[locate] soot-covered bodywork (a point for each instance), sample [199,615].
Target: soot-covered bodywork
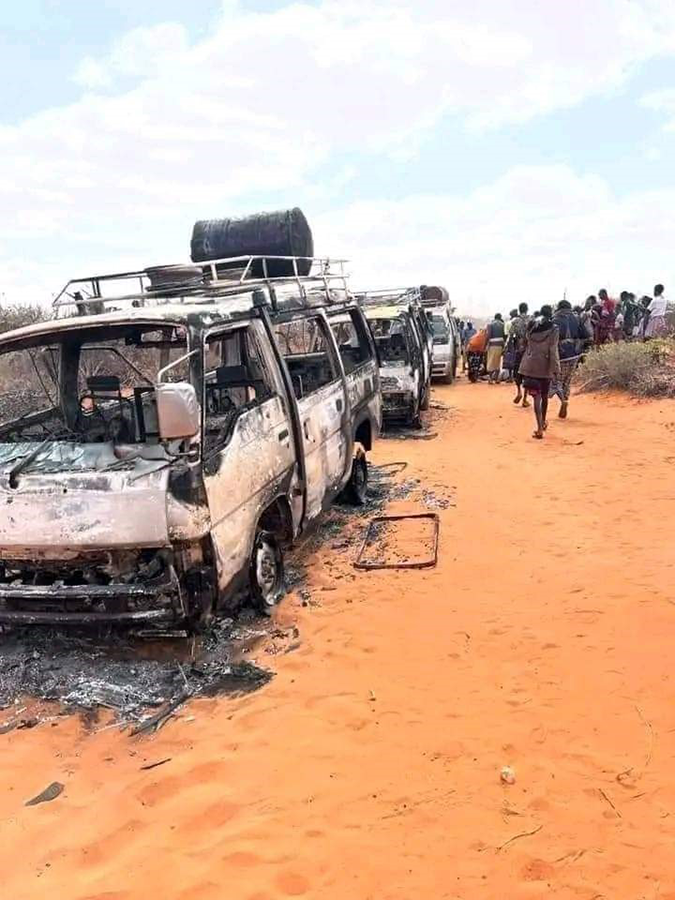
[93,522]
[110,512]
[403,381]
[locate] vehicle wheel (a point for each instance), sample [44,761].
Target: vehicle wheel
[450,376]
[473,377]
[426,398]
[416,418]
[266,572]
[356,489]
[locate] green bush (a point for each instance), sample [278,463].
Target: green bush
[645,369]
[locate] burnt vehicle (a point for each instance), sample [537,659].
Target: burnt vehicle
[171,431]
[405,376]
[447,345]
[410,300]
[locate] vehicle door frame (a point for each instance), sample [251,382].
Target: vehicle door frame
[312,312]
[223,328]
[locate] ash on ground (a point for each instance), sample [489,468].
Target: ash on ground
[332,530]
[85,671]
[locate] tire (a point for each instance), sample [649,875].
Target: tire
[415,418]
[356,490]
[266,572]
[426,397]
[449,377]
[473,376]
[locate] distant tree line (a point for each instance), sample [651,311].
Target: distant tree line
[15,315]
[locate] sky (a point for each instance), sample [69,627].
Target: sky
[507,149]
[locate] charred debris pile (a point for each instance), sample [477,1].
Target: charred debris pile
[138,680]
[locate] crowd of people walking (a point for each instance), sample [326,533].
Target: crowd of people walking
[540,352]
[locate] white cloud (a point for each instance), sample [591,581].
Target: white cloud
[254,109]
[140,53]
[529,235]
[662,102]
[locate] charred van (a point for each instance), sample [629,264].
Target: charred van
[404,339]
[165,439]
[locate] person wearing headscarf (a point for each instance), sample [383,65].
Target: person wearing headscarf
[656,324]
[541,364]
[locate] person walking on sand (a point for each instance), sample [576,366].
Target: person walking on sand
[508,358]
[570,339]
[656,324]
[517,336]
[495,347]
[541,365]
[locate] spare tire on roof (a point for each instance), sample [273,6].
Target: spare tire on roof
[165,278]
[282,233]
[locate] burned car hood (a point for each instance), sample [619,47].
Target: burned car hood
[81,496]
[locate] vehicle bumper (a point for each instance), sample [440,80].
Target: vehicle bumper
[441,369]
[89,604]
[396,404]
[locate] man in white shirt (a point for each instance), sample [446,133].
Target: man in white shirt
[656,326]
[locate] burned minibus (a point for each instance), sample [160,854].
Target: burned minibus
[403,338]
[171,431]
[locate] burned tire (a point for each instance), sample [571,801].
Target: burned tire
[426,398]
[356,489]
[266,572]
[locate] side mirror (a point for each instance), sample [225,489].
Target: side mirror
[178,413]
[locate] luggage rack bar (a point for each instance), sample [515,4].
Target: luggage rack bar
[204,282]
[389,297]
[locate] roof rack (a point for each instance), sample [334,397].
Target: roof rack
[205,282]
[389,297]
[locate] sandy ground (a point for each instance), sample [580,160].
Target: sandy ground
[369,767]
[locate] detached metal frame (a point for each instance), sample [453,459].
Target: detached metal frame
[425,564]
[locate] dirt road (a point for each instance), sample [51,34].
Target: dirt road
[369,767]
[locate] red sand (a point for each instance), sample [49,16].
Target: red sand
[369,767]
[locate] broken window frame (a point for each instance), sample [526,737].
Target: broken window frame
[360,329]
[246,329]
[330,352]
[66,348]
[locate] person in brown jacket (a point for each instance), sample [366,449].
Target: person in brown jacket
[541,364]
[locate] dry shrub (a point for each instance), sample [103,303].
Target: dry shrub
[645,369]
[16,315]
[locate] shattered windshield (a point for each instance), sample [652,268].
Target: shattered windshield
[391,341]
[95,385]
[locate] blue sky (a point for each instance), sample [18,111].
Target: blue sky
[506,149]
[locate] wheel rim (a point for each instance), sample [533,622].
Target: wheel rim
[267,571]
[360,479]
